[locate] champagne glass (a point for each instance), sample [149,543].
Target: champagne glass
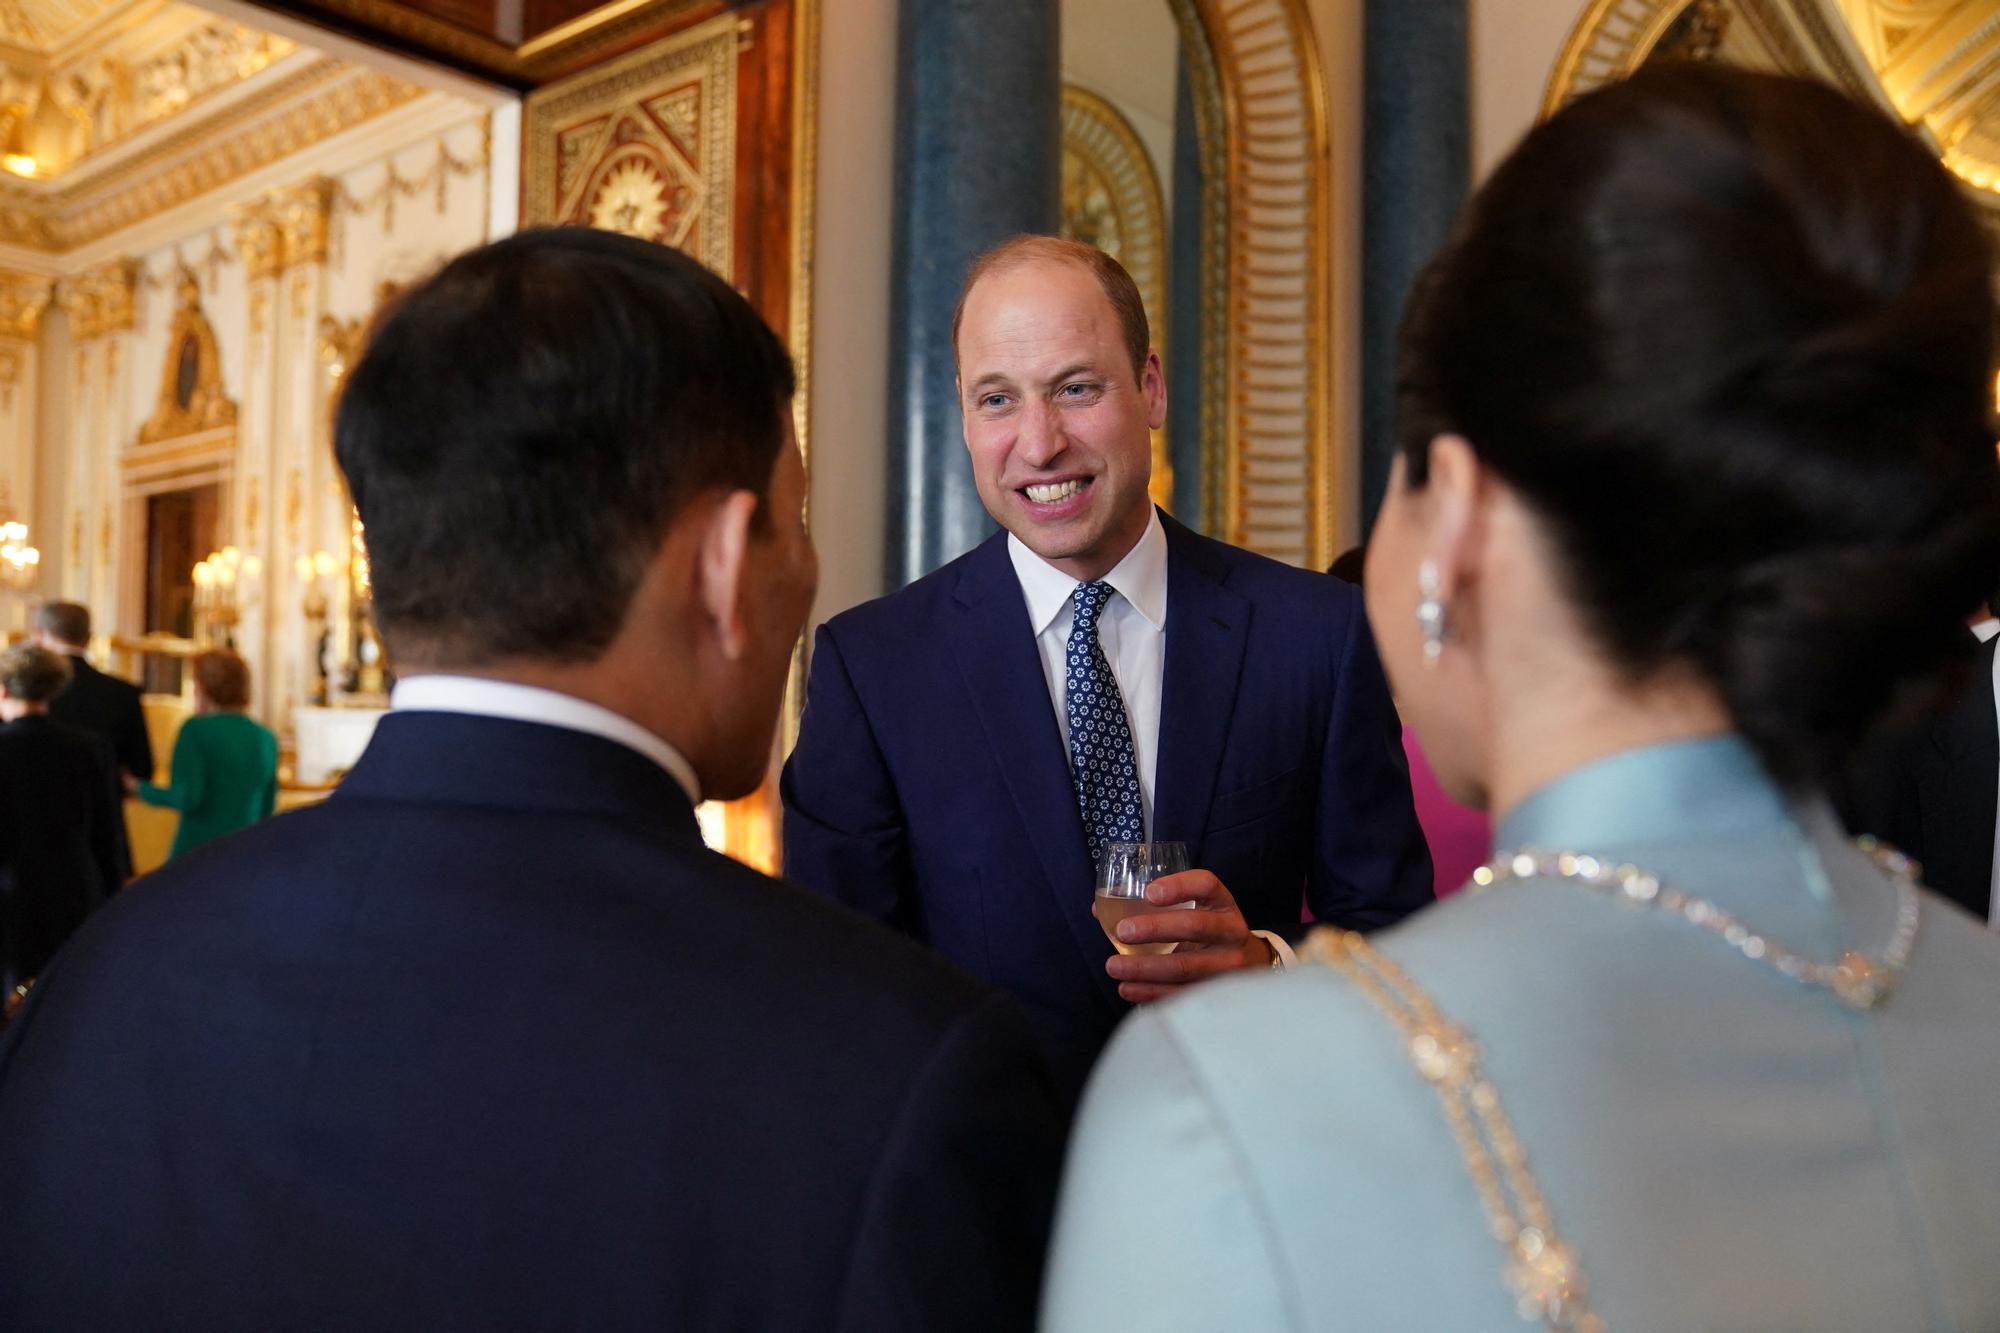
[1124,869]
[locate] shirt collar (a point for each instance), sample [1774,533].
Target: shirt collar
[1140,578]
[479,697]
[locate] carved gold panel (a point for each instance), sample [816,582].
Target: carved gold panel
[191,399]
[645,145]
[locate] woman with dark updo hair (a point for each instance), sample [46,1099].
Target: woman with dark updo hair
[1696,485]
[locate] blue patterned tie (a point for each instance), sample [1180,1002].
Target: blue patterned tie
[1100,739]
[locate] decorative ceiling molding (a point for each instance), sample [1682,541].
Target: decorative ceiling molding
[48,25]
[327,98]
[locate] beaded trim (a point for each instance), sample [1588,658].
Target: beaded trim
[1858,980]
[1541,1272]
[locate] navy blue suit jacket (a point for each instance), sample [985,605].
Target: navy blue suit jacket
[489,1040]
[930,788]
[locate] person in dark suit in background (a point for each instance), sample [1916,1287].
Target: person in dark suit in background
[489,1039]
[1932,790]
[95,701]
[1095,673]
[59,816]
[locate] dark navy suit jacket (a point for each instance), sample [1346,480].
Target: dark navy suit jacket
[930,788]
[489,1040]
[1932,790]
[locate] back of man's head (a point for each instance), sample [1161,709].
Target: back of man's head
[31,674]
[525,426]
[64,623]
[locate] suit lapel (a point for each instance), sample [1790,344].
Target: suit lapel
[995,646]
[1207,628]
[1969,799]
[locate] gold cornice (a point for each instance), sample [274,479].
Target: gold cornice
[100,300]
[192,163]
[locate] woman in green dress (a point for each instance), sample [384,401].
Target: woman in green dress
[225,769]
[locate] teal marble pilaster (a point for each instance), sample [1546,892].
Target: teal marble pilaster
[1415,151]
[978,159]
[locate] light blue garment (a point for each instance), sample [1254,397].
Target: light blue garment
[1724,1148]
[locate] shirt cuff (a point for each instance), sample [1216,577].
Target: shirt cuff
[1279,947]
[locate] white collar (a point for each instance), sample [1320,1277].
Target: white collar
[1140,578]
[478,697]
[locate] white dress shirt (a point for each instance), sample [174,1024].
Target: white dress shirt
[1132,630]
[478,697]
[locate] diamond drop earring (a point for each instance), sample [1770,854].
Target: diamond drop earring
[1430,611]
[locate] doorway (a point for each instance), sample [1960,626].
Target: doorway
[181,529]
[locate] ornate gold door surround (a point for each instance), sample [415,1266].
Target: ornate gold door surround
[1267,445]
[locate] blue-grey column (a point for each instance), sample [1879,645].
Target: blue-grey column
[1184,293]
[1415,130]
[978,159]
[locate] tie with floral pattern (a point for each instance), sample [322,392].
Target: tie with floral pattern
[1100,738]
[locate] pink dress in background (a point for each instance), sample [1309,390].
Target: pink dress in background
[1460,839]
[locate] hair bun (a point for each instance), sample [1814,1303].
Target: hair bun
[1811,649]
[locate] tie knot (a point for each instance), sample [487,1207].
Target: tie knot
[1090,599]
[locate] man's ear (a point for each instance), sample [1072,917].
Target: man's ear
[1153,388]
[719,567]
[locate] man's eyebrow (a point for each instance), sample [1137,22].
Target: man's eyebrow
[1072,371]
[992,379]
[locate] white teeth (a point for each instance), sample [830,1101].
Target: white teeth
[1048,495]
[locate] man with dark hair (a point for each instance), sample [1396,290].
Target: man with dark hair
[1931,789]
[489,1039]
[95,701]
[60,826]
[1096,674]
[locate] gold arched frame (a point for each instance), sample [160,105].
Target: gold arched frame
[191,398]
[1611,39]
[1111,199]
[1269,465]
